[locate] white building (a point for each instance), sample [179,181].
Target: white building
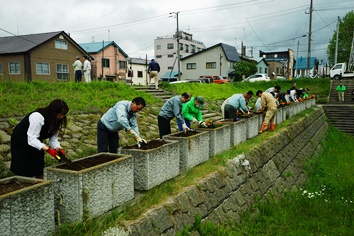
[165,49]
[217,60]
[139,68]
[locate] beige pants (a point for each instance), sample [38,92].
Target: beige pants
[154,74]
[341,96]
[270,116]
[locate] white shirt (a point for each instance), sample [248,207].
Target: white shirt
[87,66]
[36,122]
[77,65]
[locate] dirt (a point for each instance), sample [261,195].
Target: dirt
[149,145]
[187,134]
[88,162]
[13,186]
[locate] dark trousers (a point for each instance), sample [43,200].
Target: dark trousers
[78,76]
[106,138]
[230,112]
[164,126]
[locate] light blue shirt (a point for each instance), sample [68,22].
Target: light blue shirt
[120,117]
[238,102]
[173,108]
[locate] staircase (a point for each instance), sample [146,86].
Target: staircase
[165,95]
[348,98]
[341,117]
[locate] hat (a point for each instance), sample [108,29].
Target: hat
[77,57]
[152,59]
[200,101]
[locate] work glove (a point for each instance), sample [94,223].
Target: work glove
[136,137]
[202,124]
[52,152]
[185,127]
[195,120]
[61,152]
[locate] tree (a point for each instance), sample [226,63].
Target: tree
[345,38]
[244,68]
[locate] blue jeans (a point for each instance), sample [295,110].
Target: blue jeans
[188,123]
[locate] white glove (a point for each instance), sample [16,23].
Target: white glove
[185,127]
[195,120]
[202,124]
[136,136]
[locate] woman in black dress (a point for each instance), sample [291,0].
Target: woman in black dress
[27,147]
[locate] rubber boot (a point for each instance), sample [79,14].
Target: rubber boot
[263,128]
[272,127]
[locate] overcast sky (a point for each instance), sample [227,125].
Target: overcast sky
[267,25]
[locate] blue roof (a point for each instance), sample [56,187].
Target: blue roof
[97,47]
[168,73]
[301,63]
[229,51]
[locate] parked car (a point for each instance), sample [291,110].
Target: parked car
[257,77]
[186,81]
[215,79]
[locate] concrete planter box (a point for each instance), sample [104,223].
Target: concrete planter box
[284,113]
[238,131]
[291,111]
[253,126]
[154,166]
[193,150]
[93,191]
[219,139]
[279,116]
[29,210]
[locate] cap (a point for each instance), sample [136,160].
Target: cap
[152,59]
[77,57]
[200,101]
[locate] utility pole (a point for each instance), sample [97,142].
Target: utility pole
[336,52]
[309,42]
[220,63]
[178,52]
[297,55]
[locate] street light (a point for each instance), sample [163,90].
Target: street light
[178,53]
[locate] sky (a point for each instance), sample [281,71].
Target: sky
[266,25]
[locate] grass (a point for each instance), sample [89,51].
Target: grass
[324,207]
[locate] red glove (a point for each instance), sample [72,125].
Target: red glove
[61,152]
[52,152]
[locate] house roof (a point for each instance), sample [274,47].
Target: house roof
[169,75]
[25,43]
[301,63]
[139,61]
[229,51]
[99,46]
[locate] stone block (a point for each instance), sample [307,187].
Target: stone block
[238,131]
[154,166]
[219,139]
[252,126]
[29,210]
[92,191]
[193,150]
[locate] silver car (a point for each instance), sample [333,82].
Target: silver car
[257,77]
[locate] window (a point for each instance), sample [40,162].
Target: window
[191,66]
[61,44]
[158,47]
[1,69]
[62,72]
[14,68]
[181,46]
[42,68]
[122,64]
[170,46]
[266,70]
[210,65]
[105,63]
[170,68]
[170,55]
[187,48]
[277,70]
[193,48]
[259,69]
[158,56]
[140,74]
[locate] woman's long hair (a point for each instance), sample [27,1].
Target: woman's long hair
[50,113]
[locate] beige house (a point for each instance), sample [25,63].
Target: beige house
[110,61]
[38,57]
[139,68]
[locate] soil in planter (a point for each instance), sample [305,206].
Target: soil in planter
[187,134]
[149,145]
[87,163]
[13,186]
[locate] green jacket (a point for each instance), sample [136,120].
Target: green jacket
[341,88]
[190,111]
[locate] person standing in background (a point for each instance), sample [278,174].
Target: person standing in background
[87,69]
[78,69]
[153,70]
[341,89]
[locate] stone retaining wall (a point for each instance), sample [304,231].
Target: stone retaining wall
[270,168]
